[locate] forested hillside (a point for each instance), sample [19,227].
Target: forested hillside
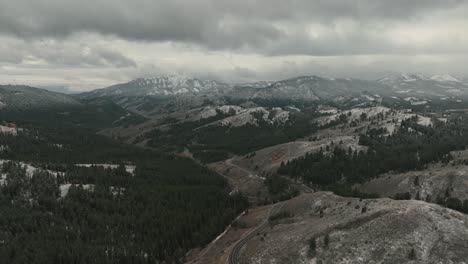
[71,214]
[412,147]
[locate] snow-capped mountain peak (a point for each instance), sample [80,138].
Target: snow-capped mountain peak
[165,85]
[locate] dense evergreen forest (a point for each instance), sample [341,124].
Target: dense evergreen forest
[90,114]
[413,147]
[167,206]
[213,143]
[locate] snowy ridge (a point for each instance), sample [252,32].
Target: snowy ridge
[386,114]
[210,111]
[444,78]
[402,78]
[166,85]
[252,116]
[354,114]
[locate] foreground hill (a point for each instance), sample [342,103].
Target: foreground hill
[325,228]
[28,105]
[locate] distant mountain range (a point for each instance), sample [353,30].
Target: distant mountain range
[429,86]
[303,87]
[144,93]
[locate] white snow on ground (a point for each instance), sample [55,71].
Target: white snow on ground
[281,116]
[247,116]
[292,108]
[213,111]
[404,91]
[444,78]
[391,122]
[354,114]
[128,168]
[411,99]
[244,118]
[369,98]
[390,127]
[3,178]
[424,121]
[30,170]
[327,110]
[121,118]
[65,188]
[8,130]
[419,103]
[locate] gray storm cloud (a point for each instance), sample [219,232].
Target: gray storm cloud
[221,24]
[98,42]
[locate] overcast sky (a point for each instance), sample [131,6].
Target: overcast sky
[89,44]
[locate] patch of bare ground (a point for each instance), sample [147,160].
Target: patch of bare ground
[269,159]
[242,180]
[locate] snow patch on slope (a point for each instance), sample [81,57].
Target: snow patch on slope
[8,130]
[129,168]
[210,111]
[444,78]
[354,114]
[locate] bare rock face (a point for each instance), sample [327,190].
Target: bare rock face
[325,228]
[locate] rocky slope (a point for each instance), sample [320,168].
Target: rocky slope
[325,228]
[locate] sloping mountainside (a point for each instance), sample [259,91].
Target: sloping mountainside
[28,105]
[324,228]
[171,85]
[25,98]
[311,88]
[161,94]
[68,195]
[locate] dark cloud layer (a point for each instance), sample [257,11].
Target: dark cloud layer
[272,27]
[88,44]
